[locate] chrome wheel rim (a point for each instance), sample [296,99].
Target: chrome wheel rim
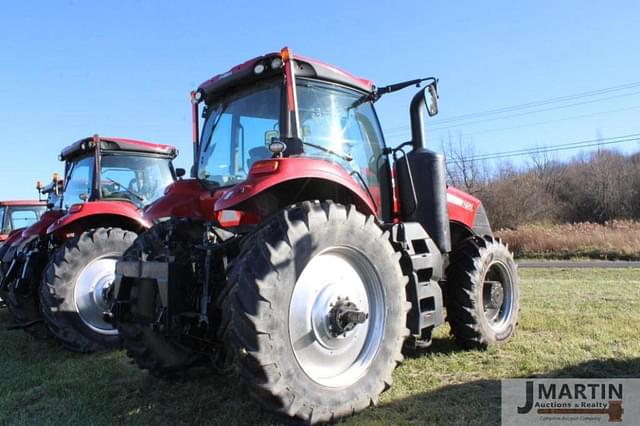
[92,293]
[497,295]
[336,279]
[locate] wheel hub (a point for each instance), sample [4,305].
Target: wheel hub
[93,291]
[336,316]
[344,316]
[497,295]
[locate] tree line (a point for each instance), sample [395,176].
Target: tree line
[597,186]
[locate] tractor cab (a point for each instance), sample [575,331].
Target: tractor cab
[112,169]
[273,109]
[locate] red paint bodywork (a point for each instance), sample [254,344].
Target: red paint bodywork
[190,199]
[347,77]
[125,145]
[240,67]
[40,227]
[121,209]
[462,206]
[143,146]
[359,81]
[289,169]
[183,198]
[8,239]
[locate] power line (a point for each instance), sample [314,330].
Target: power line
[537,123]
[531,104]
[525,113]
[553,148]
[560,147]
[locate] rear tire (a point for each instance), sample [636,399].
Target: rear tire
[306,259]
[75,289]
[482,293]
[151,350]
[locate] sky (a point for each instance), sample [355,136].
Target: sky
[70,69]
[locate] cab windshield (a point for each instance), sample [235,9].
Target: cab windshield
[336,125]
[136,178]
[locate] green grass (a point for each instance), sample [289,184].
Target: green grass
[579,323]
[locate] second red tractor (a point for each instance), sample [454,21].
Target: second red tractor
[61,269]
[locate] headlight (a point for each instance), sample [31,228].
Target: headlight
[276,63]
[259,68]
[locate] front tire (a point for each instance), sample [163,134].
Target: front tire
[482,293]
[284,317]
[75,291]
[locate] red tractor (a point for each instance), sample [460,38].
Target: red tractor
[49,212]
[324,251]
[18,214]
[61,269]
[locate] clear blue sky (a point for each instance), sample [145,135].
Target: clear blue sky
[70,69]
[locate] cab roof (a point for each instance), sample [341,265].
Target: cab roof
[304,67]
[117,144]
[22,203]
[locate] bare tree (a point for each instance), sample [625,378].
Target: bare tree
[464,170]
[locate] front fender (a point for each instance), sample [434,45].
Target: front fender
[103,211]
[266,174]
[462,206]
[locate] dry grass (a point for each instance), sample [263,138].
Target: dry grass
[618,240]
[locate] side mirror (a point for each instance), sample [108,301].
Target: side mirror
[180,172]
[431,98]
[84,197]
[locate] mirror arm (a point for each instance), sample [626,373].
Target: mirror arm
[379,91]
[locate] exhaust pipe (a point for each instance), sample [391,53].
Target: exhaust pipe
[422,181]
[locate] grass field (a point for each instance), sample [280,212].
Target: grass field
[578,323]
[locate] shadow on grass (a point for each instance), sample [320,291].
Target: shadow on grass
[439,346]
[478,402]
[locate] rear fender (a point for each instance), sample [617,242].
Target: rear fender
[98,214]
[275,183]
